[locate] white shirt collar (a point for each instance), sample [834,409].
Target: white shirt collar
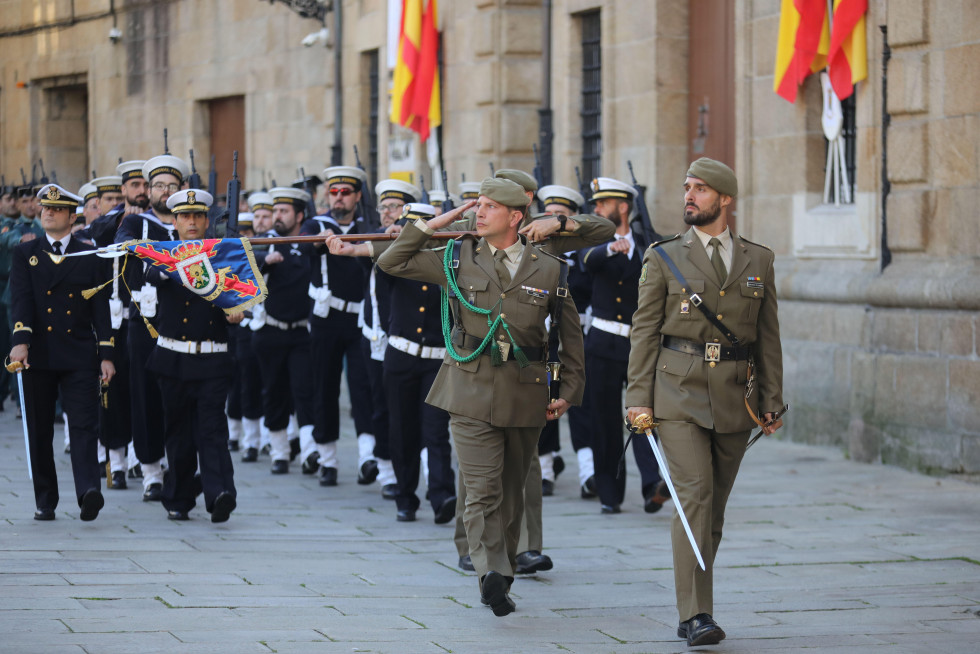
[64,241]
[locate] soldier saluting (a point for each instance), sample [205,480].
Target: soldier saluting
[63,341]
[706,321]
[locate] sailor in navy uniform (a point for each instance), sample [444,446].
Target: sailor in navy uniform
[193,368]
[109,189]
[337,289]
[615,268]
[60,337]
[165,175]
[283,341]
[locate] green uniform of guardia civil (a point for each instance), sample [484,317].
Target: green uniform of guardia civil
[704,426]
[496,412]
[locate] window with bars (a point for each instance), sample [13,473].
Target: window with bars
[838,187]
[591,95]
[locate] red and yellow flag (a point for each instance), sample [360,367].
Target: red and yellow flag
[848,58]
[415,101]
[804,42]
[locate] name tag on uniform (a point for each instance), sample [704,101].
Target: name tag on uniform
[754,282]
[536,292]
[685,306]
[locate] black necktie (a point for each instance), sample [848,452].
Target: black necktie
[56,246]
[498,264]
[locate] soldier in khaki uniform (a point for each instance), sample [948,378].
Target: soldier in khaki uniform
[688,376]
[497,407]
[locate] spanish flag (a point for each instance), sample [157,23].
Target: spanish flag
[415,101]
[804,42]
[848,59]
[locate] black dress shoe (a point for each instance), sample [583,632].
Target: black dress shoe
[700,630]
[250,455]
[447,511]
[494,594]
[368,472]
[533,561]
[153,493]
[311,463]
[224,504]
[266,448]
[610,509]
[118,480]
[233,446]
[44,514]
[328,476]
[589,488]
[405,515]
[294,449]
[136,472]
[466,563]
[547,488]
[558,465]
[389,491]
[92,503]
[280,467]
[654,500]
[177,515]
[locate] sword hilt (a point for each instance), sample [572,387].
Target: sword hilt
[14,366]
[643,422]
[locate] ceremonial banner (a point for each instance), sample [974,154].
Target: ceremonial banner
[803,45]
[848,58]
[415,100]
[222,271]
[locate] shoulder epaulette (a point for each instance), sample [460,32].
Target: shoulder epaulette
[754,243]
[666,240]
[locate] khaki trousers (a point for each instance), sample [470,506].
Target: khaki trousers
[703,464]
[493,467]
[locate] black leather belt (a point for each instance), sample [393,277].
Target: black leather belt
[469,342]
[710,351]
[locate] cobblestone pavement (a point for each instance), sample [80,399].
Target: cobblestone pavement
[819,553]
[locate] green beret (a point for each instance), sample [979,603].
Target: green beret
[518,176]
[504,191]
[716,175]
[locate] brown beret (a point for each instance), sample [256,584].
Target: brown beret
[716,175]
[519,177]
[504,191]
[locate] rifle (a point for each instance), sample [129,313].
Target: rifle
[447,204]
[44,175]
[425,194]
[234,189]
[215,211]
[23,179]
[310,190]
[166,146]
[492,171]
[538,176]
[54,176]
[585,191]
[649,232]
[366,205]
[194,181]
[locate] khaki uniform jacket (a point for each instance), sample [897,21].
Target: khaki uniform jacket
[591,230]
[684,387]
[506,395]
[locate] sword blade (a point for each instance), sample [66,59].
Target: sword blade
[665,473]
[23,418]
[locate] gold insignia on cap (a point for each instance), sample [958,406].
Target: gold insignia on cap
[190,197]
[54,193]
[32,261]
[595,184]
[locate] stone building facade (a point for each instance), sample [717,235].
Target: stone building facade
[880,359]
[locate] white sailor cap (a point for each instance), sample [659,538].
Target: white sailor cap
[345,175]
[289,195]
[190,200]
[245,219]
[416,210]
[469,190]
[607,187]
[107,184]
[166,163]
[260,200]
[395,188]
[52,195]
[556,194]
[88,191]
[130,169]
[437,196]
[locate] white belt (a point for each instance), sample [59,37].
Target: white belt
[414,349]
[269,320]
[611,326]
[191,347]
[341,305]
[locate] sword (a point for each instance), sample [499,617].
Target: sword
[645,423]
[17,368]
[776,416]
